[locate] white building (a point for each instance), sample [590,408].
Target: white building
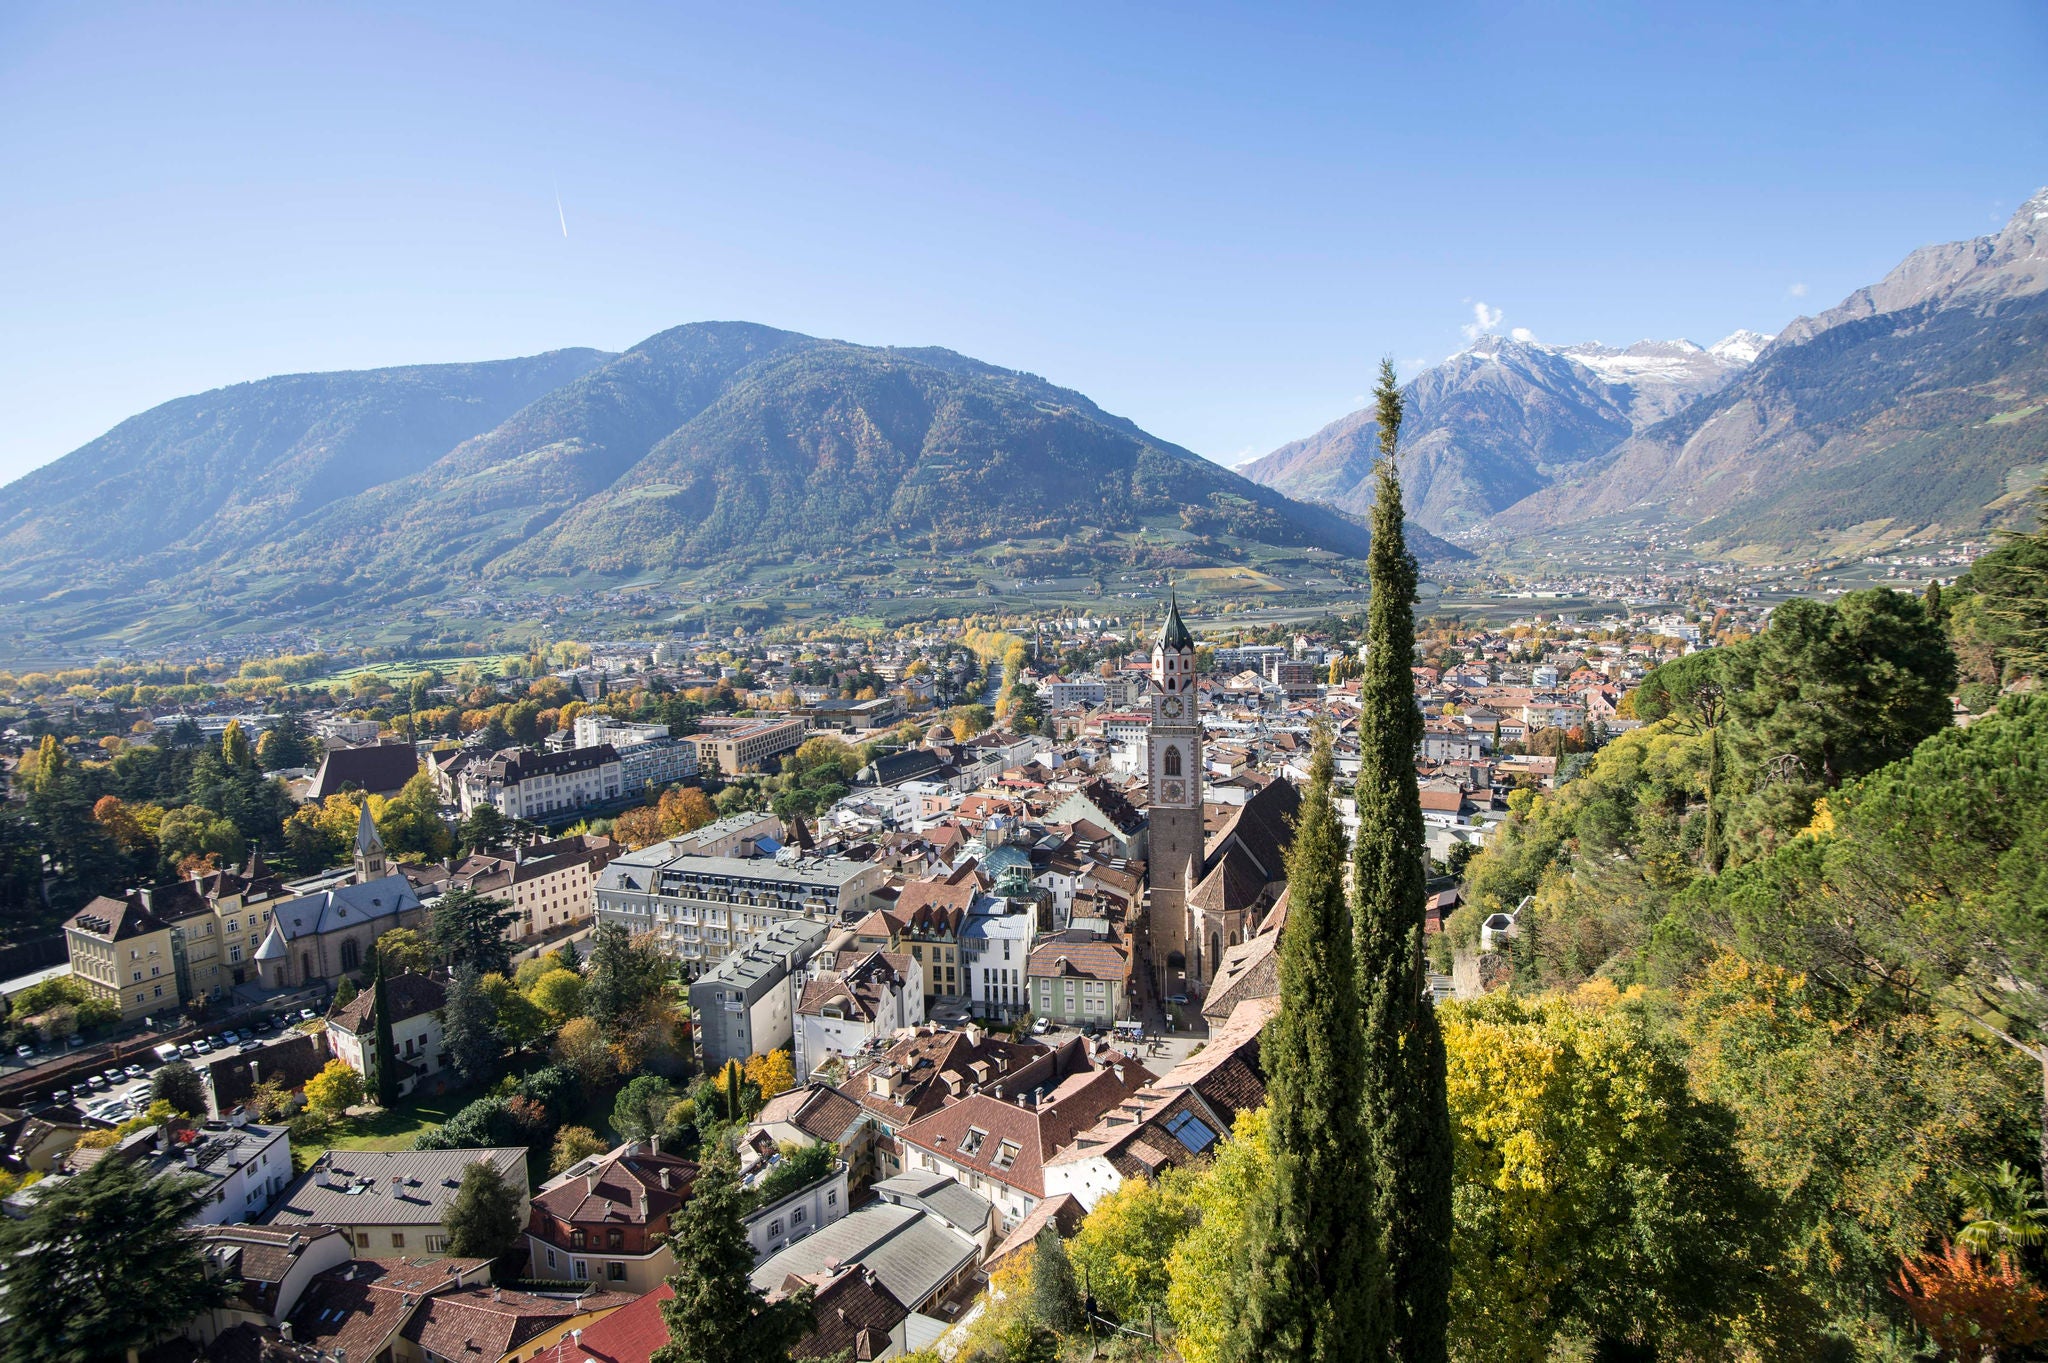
[415,1030]
[531,785]
[789,1218]
[843,1011]
[995,950]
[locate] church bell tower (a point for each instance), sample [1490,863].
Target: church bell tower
[1175,837]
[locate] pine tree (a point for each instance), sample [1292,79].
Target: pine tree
[103,1264]
[384,1069]
[1406,1110]
[469,1026]
[1055,1300]
[1318,1276]
[483,1220]
[1710,841]
[717,1315]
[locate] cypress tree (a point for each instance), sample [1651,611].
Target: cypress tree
[1710,843]
[384,1072]
[1406,1112]
[717,1314]
[1318,1277]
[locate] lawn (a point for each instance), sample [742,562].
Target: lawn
[393,1128]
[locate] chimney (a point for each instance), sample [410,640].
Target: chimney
[284,1330]
[654,1148]
[191,1159]
[664,1181]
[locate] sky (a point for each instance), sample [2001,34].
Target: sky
[1212,219]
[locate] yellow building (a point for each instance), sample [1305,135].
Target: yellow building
[121,952]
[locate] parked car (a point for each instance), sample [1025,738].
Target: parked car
[24,1051]
[307,1015]
[1041,1027]
[1177,1000]
[135,1072]
[231,1038]
[61,1096]
[74,1041]
[114,1075]
[188,1051]
[266,1025]
[99,1081]
[203,1046]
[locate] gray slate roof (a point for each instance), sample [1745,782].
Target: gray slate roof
[355,1188]
[344,906]
[942,1196]
[912,1253]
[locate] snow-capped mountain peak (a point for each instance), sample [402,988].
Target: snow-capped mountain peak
[1740,347]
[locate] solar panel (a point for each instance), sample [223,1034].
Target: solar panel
[1190,1131]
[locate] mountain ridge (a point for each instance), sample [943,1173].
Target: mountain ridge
[1915,405]
[1502,419]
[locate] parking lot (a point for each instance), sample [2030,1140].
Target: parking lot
[118,1093]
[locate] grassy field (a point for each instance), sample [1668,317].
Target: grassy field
[389,1129]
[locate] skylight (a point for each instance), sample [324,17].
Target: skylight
[1189,1130]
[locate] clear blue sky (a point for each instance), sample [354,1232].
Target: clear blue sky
[1211,219]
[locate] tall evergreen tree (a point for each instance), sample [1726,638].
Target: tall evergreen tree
[468,929]
[1318,1275]
[1406,1112]
[384,1066]
[470,1027]
[717,1315]
[1055,1298]
[105,1263]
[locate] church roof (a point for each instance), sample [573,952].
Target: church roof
[344,906]
[1174,634]
[273,948]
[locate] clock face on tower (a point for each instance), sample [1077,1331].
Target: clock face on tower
[1170,707]
[1174,791]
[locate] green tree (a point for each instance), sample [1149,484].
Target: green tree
[1319,1273]
[1055,1299]
[1829,693]
[345,992]
[468,929]
[484,828]
[1403,1081]
[1596,1196]
[558,994]
[642,1107]
[234,747]
[519,1023]
[384,1060]
[411,822]
[573,1144]
[1210,1271]
[469,1027]
[402,951]
[717,1315]
[483,1220]
[626,983]
[1122,1247]
[103,1264]
[178,1084]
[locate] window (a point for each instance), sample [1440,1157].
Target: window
[975,1137]
[832,1198]
[362,1240]
[398,1239]
[775,1226]
[615,1238]
[1006,1154]
[1171,763]
[436,1243]
[615,1271]
[575,1239]
[551,1258]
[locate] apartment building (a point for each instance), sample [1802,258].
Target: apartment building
[746,1005]
[732,746]
[702,907]
[550,885]
[531,785]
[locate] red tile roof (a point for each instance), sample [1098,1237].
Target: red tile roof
[483,1324]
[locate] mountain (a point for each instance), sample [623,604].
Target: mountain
[1917,405]
[712,447]
[1504,419]
[202,478]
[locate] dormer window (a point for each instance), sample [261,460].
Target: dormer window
[1006,1154]
[975,1137]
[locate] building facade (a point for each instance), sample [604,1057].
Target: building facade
[701,908]
[747,1005]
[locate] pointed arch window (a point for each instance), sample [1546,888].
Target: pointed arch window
[1171,764]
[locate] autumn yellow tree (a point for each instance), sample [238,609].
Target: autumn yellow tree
[771,1073]
[335,1089]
